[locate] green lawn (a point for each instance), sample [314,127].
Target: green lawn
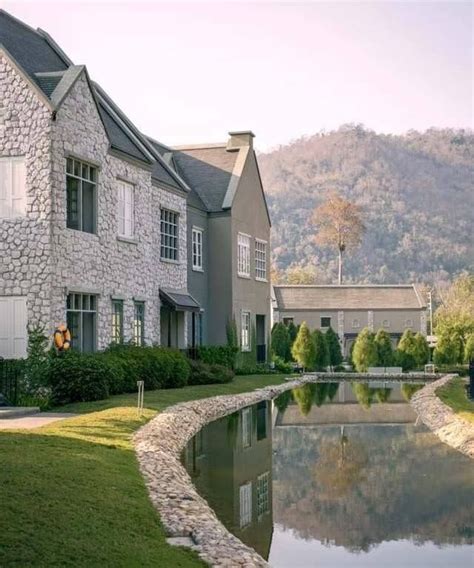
[71,493]
[454,395]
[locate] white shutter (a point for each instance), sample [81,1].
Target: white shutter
[125,209]
[13,327]
[18,192]
[12,187]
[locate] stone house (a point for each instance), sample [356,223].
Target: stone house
[228,242]
[350,308]
[94,224]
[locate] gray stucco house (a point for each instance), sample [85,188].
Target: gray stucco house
[94,226]
[228,241]
[350,308]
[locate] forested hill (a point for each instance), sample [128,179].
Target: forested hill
[416,192]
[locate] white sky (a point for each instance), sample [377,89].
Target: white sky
[190,72]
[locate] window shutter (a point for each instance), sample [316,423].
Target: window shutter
[5,184]
[18,207]
[13,327]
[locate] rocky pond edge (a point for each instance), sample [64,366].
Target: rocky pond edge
[187,518]
[450,428]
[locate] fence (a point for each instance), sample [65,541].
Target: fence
[11,372]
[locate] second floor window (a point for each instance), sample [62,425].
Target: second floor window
[260,260]
[12,187]
[169,235]
[117,321]
[81,181]
[243,255]
[197,248]
[245,331]
[139,324]
[126,209]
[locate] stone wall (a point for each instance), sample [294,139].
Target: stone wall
[450,428]
[41,257]
[25,242]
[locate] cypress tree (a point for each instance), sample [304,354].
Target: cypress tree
[334,347]
[364,354]
[321,351]
[281,342]
[384,348]
[406,350]
[303,348]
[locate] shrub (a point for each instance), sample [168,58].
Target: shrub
[422,350]
[281,342]
[79,377]
[383,343]
[406,355]
[448,350]
[204,374]
[321,351]
[364,354]
[36,364]
[218,355]
[303,349]
[334,348]
[282,366]
[256,369]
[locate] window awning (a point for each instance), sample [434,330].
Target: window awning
[179,300]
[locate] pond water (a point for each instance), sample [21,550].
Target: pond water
[335,475]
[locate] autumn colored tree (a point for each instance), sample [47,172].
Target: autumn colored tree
[339,224]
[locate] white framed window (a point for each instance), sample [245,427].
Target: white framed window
[245,494]
[409,323]
[245,331]
[126,209]
[260,260]
[263,483]
[197,248]
[243,255]
[139,323]
[246,427]
[325,322]
[81,196]
[169,235]
[117,321]
[386,323]
[355,324]
[12,187]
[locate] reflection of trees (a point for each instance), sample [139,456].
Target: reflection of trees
[409,389]
[363,393]
[340,466]
[332,390]
[383,394]
[283,400]
[321,391]
[304,397]
[378,483]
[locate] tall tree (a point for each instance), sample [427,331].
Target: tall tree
[422,350]
[364,354]
[339,224]
[407,350]
[384,348]
[334,347]
[321,352]
[303,348]
[281,342]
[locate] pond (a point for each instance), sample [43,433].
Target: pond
[337,474]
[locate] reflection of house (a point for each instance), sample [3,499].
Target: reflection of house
[230,462]
[350,308]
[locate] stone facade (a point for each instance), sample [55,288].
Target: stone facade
[42,258]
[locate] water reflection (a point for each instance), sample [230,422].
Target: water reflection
[352,473]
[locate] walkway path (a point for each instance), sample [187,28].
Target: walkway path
[33,421]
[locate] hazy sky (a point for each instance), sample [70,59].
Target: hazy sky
[190,72]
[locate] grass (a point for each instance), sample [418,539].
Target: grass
[71,493]
[454,395]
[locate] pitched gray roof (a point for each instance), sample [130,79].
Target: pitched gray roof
[29,48]
[348,297]
[208,171]
[49,81]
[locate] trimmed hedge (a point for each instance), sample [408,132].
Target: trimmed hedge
[204,374]
[224,355]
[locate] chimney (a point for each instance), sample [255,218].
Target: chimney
[240,139]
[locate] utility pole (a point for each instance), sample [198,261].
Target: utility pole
[430,308]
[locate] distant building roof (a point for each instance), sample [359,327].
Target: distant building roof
[348,297]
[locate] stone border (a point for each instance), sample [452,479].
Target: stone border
[183,512]
[186,516]
[442,420]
